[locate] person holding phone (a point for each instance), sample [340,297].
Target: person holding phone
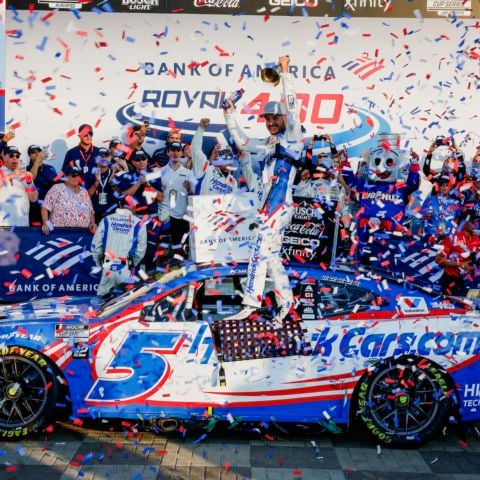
[16,190]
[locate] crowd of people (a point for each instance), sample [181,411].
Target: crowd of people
[136,201]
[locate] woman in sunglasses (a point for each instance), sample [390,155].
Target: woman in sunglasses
[16,190]
[68,204]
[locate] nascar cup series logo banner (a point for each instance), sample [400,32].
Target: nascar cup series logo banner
[355,77]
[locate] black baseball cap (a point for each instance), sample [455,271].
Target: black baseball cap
[444,179]
[69,170]
[114,142]
[34,149]
[12,149]
[85,128]
[139,155]
[174,146]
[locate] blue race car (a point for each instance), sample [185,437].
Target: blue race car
[396,358]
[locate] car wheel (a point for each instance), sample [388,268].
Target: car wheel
[28,392]
[404,401]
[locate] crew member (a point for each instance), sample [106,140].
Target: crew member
[118,246]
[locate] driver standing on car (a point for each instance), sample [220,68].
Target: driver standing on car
[118,246]
[278,155]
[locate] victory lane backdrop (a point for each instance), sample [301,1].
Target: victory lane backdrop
[355,77]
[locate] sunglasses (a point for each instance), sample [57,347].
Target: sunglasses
[141,159]
[74,174]
[14,155]
[89,134]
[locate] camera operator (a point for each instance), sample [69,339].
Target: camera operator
[453,163]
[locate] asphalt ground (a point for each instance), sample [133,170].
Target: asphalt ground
[100,452]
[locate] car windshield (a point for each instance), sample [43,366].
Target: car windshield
[118,302]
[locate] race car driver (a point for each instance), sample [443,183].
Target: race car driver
[278,157]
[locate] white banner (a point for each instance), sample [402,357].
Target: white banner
[355,77]
[221,227]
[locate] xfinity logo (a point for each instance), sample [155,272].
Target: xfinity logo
[352,4]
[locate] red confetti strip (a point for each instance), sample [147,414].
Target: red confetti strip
[46,17]
[26,273]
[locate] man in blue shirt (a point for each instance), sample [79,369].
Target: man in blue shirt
[142,189]
[44,177]
[83,155]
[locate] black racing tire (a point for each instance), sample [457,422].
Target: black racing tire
[28,392]
[404,401]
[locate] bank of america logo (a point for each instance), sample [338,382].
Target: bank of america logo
[58,255]
[225,221]
[364,67]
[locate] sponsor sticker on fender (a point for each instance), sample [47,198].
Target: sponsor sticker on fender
[413,305]
[77,331]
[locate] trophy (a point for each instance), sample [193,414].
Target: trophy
[271,75]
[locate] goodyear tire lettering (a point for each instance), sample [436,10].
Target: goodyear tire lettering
[26,375]
[387,398]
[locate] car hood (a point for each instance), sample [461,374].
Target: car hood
[52,308]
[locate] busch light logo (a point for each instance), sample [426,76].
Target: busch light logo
[145,5]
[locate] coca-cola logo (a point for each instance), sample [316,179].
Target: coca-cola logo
[217,3]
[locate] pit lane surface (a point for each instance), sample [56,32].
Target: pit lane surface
[97,453]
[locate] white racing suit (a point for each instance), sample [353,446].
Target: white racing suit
[275,208]
[119,245]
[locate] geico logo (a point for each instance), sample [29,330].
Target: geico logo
[298,3]
[303,242]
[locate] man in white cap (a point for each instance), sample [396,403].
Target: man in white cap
[279,155]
